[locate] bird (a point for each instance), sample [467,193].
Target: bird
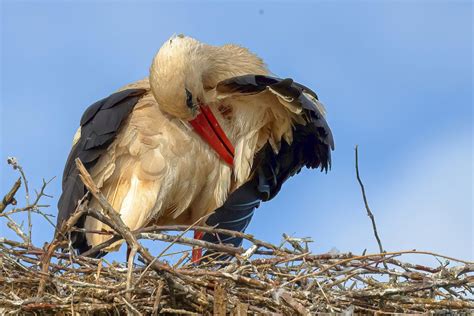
[205,138]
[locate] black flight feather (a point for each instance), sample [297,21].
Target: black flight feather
[100,124]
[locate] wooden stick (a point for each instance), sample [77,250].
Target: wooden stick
[366,203]
[9,198]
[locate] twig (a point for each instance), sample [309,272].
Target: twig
[131,258]
[132,309]
[366,203]
[156,303]
[9,198]
[17,229]
[180,236]
[59,239]
[219,300]
[16,166]
[284,281]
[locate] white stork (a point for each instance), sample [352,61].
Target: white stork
[209,125]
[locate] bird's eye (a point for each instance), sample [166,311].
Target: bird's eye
[189,99]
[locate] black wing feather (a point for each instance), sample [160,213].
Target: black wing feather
[313,142]
[100,124]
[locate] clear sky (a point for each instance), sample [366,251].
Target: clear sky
[395,76]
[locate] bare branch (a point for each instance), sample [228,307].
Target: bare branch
[261,279]
[9,198]
[366,203]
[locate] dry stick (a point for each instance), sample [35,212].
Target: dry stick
[169,246]
[141,233]
[59,239]
[250,283]
[156,303]
[188,241]
[340,262]
[212,230]
[240,309]
[131,309]
[173,311]
[16,165]
[180,236]
[39,195]
[369,212]
[183,257]
[300,309]
[401,252]
[31,208]
[359,299]
[219,300]
[17,229]
[163,237]
[131,258]
[9,198]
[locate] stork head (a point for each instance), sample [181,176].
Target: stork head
[176,76]
[184,70]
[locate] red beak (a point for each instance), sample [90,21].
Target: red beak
[207,126]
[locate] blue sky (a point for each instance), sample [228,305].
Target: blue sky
[395,76]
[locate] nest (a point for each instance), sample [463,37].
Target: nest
[263,278]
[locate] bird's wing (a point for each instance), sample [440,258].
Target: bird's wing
[99,127]
[234,215]
[299,96]
[310,145]
[306,137]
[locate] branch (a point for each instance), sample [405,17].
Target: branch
[285,281]
[366,203]
[9,198]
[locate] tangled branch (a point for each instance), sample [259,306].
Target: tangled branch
[261,278]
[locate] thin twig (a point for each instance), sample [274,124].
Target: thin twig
[16,166]
[366,203]
[280,281]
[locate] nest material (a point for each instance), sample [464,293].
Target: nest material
[262,279]
[286,280]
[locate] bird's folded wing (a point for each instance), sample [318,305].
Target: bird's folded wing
[99,126]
